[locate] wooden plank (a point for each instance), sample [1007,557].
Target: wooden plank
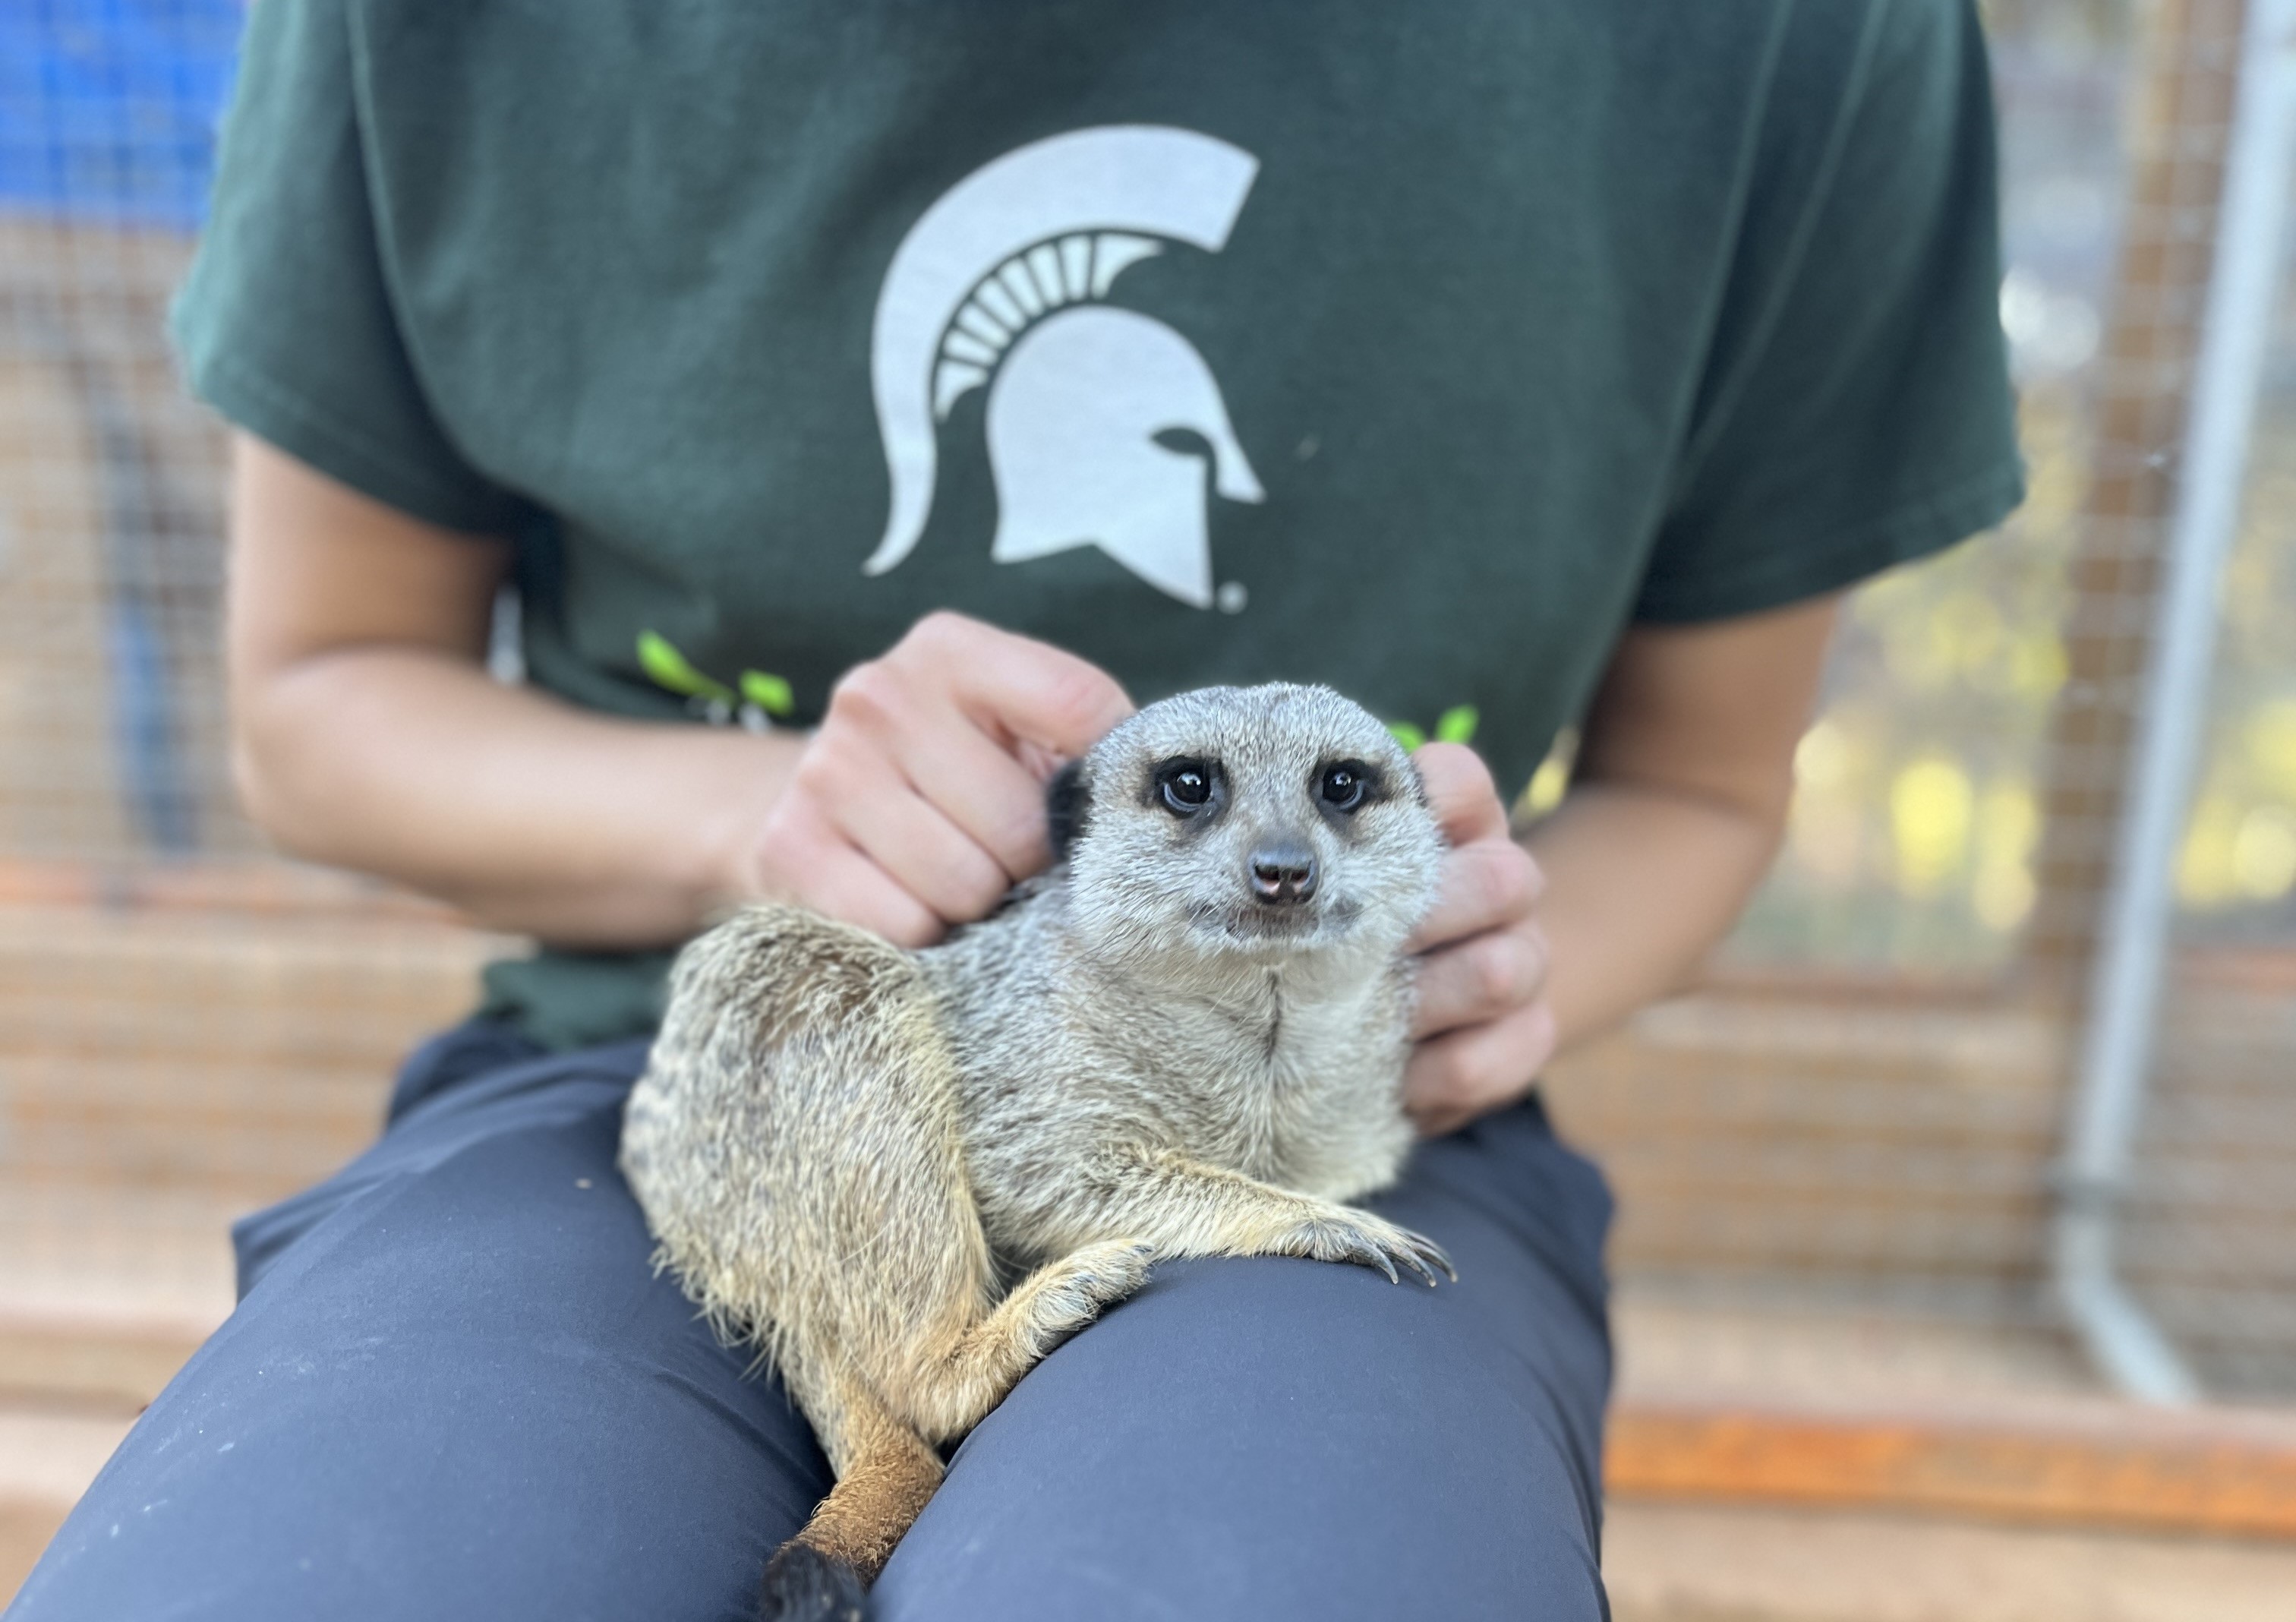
[260,886]
[26,1525]
[46,1461]
[2229,1475]
[85,1364]
[1667,1561]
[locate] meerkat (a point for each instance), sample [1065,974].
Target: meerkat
[1187,1038]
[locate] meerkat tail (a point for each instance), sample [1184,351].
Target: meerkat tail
[803,1584]
[824,1572]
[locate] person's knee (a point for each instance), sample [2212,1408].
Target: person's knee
[463,1391]
[1273,1439]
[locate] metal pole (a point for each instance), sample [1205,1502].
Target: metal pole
[2124,988]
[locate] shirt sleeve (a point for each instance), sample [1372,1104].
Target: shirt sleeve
[285,324]
[1855,409]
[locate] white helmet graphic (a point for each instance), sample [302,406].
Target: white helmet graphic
[1000,282]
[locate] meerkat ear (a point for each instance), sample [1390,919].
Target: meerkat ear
[1068,798]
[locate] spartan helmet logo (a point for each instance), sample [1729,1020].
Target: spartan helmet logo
[1002,282]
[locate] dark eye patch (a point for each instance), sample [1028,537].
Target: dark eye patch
[1186,786]
[1344,787]
[1068,801]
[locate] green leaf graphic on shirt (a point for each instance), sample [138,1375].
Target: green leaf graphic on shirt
[1457,725]
[668,667]
[769,693]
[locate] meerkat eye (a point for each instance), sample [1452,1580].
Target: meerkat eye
[1341,787]
[1186,786]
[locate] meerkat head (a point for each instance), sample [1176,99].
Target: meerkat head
[1266,821]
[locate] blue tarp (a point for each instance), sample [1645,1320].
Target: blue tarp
[108,108]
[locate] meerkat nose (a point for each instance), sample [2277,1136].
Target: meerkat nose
[1282,874]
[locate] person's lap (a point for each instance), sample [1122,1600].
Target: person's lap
[455,1386]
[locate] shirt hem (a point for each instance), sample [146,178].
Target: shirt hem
[1918,530]
[281,418]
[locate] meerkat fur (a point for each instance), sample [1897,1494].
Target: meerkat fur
[1187,1038]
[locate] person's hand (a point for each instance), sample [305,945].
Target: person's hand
[1483,1026]
[920,800]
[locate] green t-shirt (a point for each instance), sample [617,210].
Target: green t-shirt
[1417,349]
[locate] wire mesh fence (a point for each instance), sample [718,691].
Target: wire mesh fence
[1863,1107]
[1869,1104]
[188,1027]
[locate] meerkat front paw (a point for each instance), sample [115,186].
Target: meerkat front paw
[1063,1296]
[1341,1233]
[1079,1286]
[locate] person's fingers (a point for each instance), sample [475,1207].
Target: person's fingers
[1486,976]
[1456,1077]
[920,800]
[1485,885]
[1013,686]
[1040,763]
[807,860]
[996,798]
[868,802]
[845,885]
[1460,792]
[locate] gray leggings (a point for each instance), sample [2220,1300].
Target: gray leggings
[453,1388]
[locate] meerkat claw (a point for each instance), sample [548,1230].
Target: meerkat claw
[1369,1242]
[1423,1256]
[1435,1254]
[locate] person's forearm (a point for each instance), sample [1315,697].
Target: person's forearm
[1642,884]
[532,816]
